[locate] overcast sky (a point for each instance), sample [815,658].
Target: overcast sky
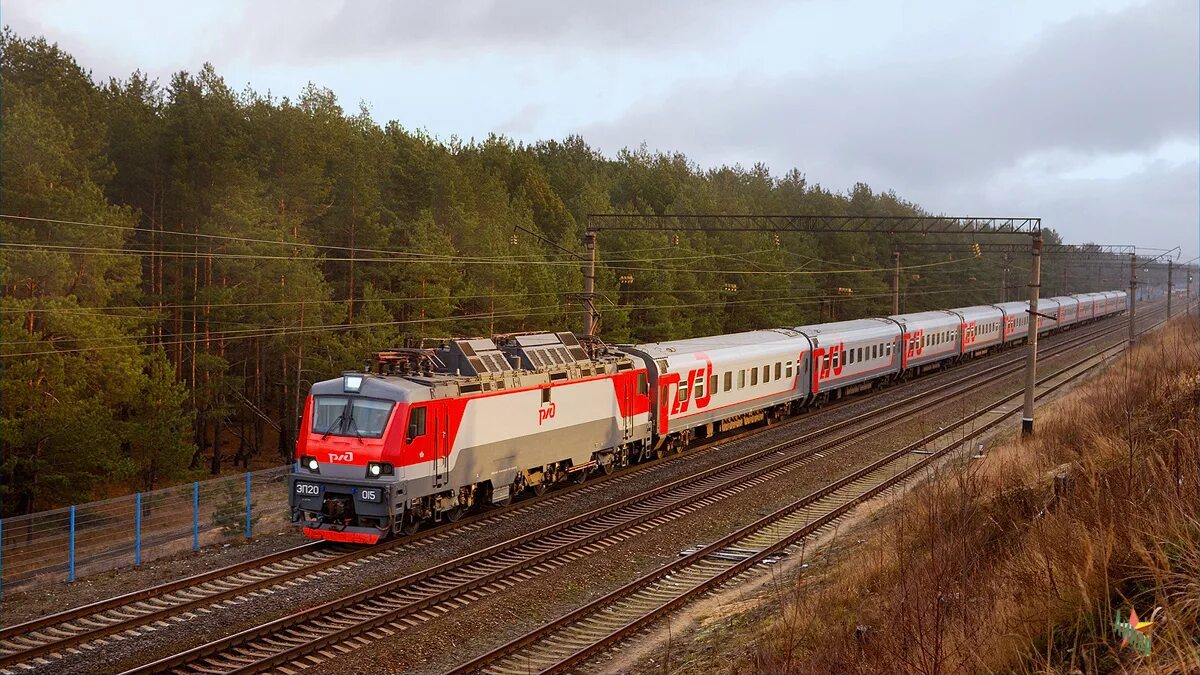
[1082,112]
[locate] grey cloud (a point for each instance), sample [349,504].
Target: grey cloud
[1156,207]
[450,27]
[1106,83]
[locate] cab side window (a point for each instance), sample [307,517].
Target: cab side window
[416,423]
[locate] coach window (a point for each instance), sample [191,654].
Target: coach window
[753,376]
[789,369]
[728,380]
[766,374]
[416,424]
[643,384]
[778,370]
[700,387]
[712,384]
[741,378]
[860,353]
[683,391]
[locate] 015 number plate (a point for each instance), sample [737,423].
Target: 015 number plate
[370,494]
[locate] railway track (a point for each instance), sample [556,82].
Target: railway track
[566,643]
[411,600]
[27,646]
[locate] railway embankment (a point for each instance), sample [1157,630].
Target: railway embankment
[1029,558]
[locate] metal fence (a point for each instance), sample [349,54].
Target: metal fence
[62,544]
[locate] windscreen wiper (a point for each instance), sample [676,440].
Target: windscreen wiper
[354,425]
[337,422]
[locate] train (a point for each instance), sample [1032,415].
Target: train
[425,434]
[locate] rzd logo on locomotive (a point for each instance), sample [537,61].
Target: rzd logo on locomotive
[347,456]
[546,412]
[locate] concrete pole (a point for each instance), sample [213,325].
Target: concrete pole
[1035,283]
[1187,298]
[1132,296]
[1170,268]
[896,282]
[1004,280]
[589,283]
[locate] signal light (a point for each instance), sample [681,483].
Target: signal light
[975,249]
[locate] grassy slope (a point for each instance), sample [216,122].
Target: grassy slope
[1020,562]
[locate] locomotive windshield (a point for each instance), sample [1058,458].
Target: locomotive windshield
[350,416]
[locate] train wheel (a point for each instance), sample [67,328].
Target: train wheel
[410,526]
[607,468]
[539,489]
[453,514]
[581,476]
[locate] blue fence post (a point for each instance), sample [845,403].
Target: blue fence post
[195,515]
[247,504]
[71,550]
[137,531]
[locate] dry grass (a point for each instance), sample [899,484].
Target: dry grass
[1019,563]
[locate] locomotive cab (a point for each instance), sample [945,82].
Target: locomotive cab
[346,484]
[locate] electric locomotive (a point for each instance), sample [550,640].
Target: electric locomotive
[424,434]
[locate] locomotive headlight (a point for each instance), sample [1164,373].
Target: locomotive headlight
[377,469]
[309,463]
[351,384]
